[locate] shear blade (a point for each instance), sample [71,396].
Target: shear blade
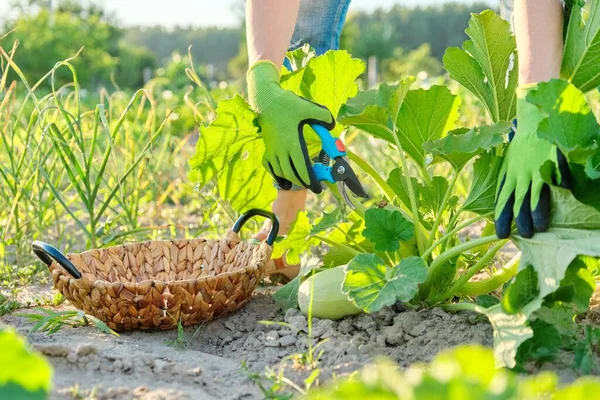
[342,172]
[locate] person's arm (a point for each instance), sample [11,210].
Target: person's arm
[538,26]
[269,29]
[523,195]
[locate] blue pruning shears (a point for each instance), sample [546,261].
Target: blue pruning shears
[340,172]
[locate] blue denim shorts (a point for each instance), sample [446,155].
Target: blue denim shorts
[320,24]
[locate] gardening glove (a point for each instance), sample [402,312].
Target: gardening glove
[284,118]
[522,190]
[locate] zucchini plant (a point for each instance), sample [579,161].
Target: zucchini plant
[408,243]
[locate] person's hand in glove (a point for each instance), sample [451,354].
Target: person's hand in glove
[283,118]
[522,191]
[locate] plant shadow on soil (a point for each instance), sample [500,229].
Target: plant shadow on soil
[207,364]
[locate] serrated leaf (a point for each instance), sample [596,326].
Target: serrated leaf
[569,123]
[460,146]
[568,212]
[482,195]
[522,291]
[487,64]
[550,253]
[297,241]
[563,319]
[385,229]
[584,188]
[327,221]
[510,331]
[335,78]
[372,285]
[577,287]
[398,184]
[582,43]
[543,346]
[374,111]
[244,182]
[432,195]
[299,57]
[219,142]
[425,115]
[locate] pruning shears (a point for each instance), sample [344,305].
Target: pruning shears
[340,172]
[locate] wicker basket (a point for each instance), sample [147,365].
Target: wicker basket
[155,284]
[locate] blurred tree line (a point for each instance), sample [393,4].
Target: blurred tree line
[405,41]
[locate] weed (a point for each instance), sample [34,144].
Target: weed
[52,321]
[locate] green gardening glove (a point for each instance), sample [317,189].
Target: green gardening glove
[284,118]
[522,191]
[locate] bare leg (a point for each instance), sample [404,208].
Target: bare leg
[286,207]
[269,28]
[539,32]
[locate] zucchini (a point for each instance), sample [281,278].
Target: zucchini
[328,300]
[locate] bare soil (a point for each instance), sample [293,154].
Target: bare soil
[208,364]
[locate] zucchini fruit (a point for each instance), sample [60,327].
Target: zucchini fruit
[328,300]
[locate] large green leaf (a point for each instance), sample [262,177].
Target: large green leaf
[432,196]
[398,184]
[577,287]
[460,146]
[582,44]
[585,188]
[543,346]
[297,241]
[569,122]
[425,115]
[483,190]
[372,285]
[224,138]
[328,221]
[23,374]
[487,64]
[386,229]
[335,79]
[375,111]
[244,182]
[550,253]
[568,212]
[509,332]
[522,291]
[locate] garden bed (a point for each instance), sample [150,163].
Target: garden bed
[207,362]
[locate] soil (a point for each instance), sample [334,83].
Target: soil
[207,364]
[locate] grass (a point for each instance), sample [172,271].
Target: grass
[50,321]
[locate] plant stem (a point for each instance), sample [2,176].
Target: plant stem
[448,235]
[478,266]
[463,307]
[411,191]
[493,282]
[437,264]
[336,244]
[387,190]
[440,211]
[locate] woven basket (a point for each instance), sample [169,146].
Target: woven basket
[156,284]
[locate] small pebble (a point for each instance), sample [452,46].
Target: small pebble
[287,340]
[229,325]
[272,335]
[298,322]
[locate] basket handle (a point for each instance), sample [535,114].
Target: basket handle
[48,253]
[237,226]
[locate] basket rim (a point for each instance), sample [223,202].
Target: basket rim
[243,270]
